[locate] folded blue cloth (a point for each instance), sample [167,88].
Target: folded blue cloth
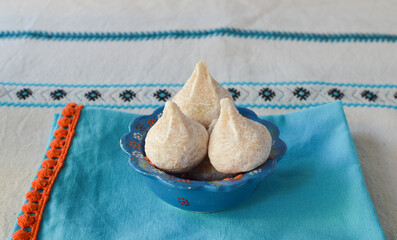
[316,192]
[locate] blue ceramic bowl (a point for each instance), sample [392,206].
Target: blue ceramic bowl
[198,196]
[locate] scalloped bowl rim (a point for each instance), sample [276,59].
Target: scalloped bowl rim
[221,185]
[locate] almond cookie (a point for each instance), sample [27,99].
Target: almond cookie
[237,144]
[176,143]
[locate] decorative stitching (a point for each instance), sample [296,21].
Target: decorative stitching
[127,95]
[181,84]
[267,94]
[42,185]
[193,34]
[94,85]
[235,93]
[370,96]
[301,93]
[58,94]
[336,93]
[162,95]
[92,95]
[312,83]
[278,95]
[24,93]
[280,106]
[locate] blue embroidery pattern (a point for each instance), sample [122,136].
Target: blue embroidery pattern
[267,94]
[127,95]
[336,93]
[24,93]
[301,93]
[58,94]
[370,96]
[235,93]
[192,34]
[92,95]
[162,95]
[246,94]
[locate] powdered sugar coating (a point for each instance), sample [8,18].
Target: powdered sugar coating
[237,144]
[176,143]
[199,98]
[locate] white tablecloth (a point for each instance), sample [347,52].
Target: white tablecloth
[294,69]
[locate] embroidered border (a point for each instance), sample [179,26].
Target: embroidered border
[193,34]
[42,185]
[246,94]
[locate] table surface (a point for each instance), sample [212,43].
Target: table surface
[276,57]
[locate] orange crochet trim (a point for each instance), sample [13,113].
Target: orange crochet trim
[42,185]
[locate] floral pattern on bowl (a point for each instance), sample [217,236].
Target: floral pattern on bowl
[163,184]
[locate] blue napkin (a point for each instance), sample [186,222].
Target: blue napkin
[316,192]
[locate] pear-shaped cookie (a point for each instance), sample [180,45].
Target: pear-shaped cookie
[237,144]
[176,143]
[199,98]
